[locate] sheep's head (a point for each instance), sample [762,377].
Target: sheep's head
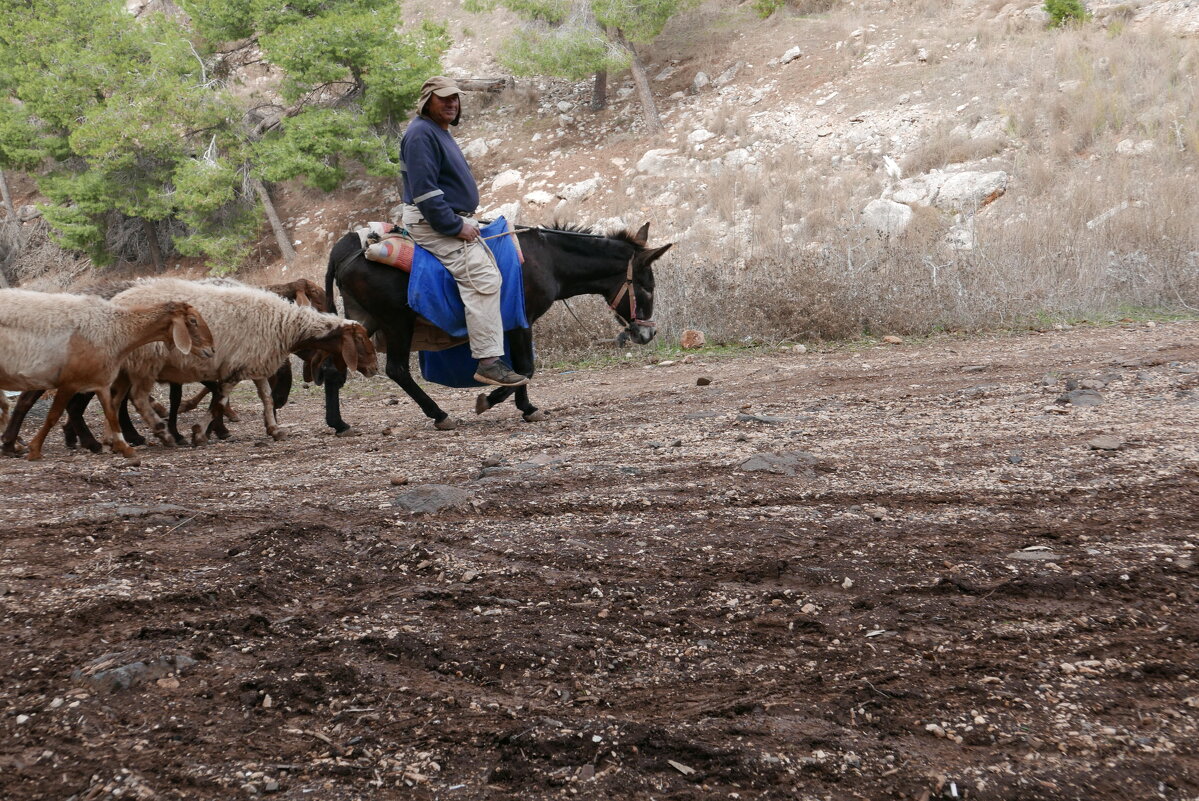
[189,332]
[348,345]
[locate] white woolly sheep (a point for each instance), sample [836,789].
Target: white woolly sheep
[256,331]
[76,343]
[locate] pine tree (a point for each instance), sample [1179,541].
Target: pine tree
[578,38]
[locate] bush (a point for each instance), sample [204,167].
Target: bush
[1062,12]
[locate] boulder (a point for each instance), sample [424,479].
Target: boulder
[692,339]
[538,197]
[699,136]
[507,178]
[887,217]
[429,498]
[728,75]
[700,82]
[791,55]
[658,161]
[580,191]
[476,149]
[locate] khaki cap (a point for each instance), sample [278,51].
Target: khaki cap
[437,85]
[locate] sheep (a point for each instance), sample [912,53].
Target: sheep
[301,292]
[77,343]
[256,332]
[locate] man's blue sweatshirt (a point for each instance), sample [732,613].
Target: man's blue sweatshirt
[437,179]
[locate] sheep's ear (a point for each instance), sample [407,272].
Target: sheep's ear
[349,349]
[302,298]
[180,335]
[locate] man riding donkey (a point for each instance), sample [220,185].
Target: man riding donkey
[440,199]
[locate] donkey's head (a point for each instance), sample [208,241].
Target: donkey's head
[632,299]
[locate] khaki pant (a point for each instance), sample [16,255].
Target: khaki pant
[478,278]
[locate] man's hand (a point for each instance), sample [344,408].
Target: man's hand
[469,233]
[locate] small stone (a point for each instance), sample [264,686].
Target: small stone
[22,718]
[602,614]
[271,786]
[1080,397]
[692,339]
[399,480]
[892,340]
[469,576]
[169,683]
[1015,456]
[848,583]
[703,381]
[934,729]
[1106,442]
[1067,668]
[809,609]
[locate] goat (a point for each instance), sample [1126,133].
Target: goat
[257,331]
[77,343]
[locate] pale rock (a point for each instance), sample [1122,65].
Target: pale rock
[623,92]
[791,55]
[959,238]
[967,191]
[505,179]
[737,158]
[538,197]
[699,136]
[658,161]
[1127,147]
[887,217]
[580,191]
[565,107]
[476,149]
[728,75]
[665,74]
[700,82]
[667,200]
[692,339]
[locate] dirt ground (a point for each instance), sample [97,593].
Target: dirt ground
[925,570]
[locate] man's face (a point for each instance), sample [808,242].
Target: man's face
[443,110]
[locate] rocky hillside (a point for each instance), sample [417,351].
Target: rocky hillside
[953,126]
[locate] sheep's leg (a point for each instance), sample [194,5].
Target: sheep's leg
[11,443]
[268,409]
[131,434]
[176,396]
[217,407]
[61,397]
[193,402]
[140,394]
[116,439]
[75,429]
[333,379]
[281,385]
[3,409]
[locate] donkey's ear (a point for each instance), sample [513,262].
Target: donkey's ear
[642,236]
[650,256]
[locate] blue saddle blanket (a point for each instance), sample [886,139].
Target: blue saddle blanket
[433,294]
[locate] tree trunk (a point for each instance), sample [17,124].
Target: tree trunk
[10,220]
[286,251]
[8,206]
[152,238]
[649,110]
[599,91]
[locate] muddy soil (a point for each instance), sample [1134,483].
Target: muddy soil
[963,568]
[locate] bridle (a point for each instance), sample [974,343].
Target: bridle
[627,288]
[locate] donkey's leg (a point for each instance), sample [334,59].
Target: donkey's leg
[281,385]
[520,344]
[399,370]
[128,430]
[11,443]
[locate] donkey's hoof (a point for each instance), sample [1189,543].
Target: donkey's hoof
[481,404]
[348,431]
[536,416]
[448,424]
